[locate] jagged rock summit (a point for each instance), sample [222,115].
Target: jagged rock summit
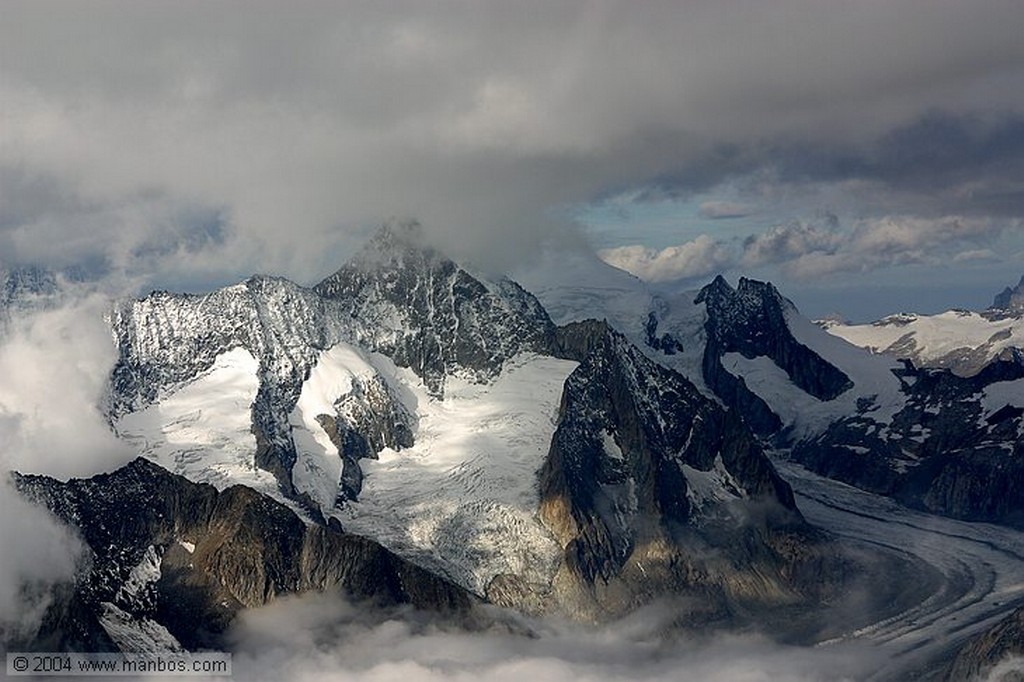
[447,320]
[171,562]
[398,298]
[1010,299]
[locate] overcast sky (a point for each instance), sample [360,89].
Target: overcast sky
[865,156]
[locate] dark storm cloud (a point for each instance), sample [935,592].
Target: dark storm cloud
[940,162]
[724,210]
[300,127]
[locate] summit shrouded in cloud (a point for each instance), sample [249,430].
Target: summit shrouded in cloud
[187,145]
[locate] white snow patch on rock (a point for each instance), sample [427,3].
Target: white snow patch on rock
[611,448]
[136,635]
[929,338]
[712,487]
[145,573]
[1002,393]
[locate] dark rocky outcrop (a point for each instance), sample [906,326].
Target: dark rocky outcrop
[1010,299]
[979,658]
[666,342]
[366,420]
[750,320]
[443,319]
[939,453]
[215,553]
[653,489]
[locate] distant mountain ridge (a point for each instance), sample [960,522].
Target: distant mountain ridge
[960,340]
[1011,299]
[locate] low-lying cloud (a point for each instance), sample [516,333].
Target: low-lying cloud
[324,637]
[39,553]
[56,367]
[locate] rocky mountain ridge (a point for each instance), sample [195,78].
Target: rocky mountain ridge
[418,308]
[171,562]
[933,439]
[1010,299]
[579,470]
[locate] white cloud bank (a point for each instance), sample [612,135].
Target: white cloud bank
[54,366]
[184,140]
[698,258]
[322,637]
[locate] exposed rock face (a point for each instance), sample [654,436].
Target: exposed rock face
[790,381]
[1011,299]
[942,452]
[166,339]
[173,561]
[750,320]
[25,282]
[938,445]
[980,657]
[433,316]
[25,289]
[645,475]
[367,420]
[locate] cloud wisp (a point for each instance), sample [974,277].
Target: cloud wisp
[813,250]
[56,366]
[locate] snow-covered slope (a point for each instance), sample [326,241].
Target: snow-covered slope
[876,392]
[396,297]
[662,320]
[416,403]
[961,340]
[463,499]
[202,430]
[574,285]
